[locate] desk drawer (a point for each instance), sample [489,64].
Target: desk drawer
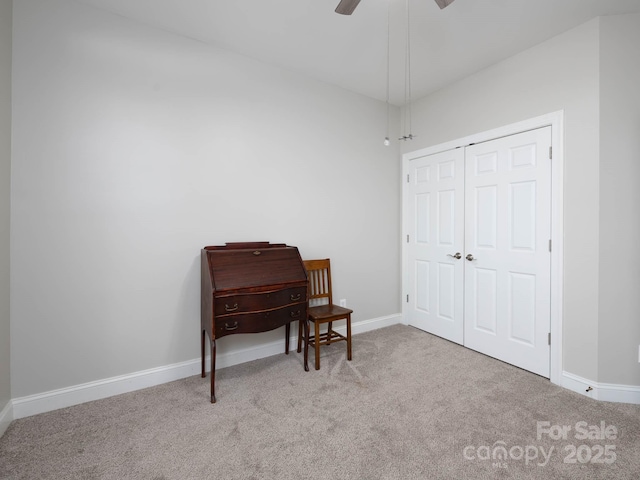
[253,302]
[259,321]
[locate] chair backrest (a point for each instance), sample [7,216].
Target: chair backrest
[319,272]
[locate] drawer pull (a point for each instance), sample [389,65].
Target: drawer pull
[296,297]
[295,314]
[232,327]
[227,308]
[257,252]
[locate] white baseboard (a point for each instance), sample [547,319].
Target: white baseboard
[607,392]
[578,384]
[6,417]
[86,392]
[373,324]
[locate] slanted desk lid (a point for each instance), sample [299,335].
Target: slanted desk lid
[262,265]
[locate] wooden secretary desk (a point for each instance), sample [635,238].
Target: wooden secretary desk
[248,288]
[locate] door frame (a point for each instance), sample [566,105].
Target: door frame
[556,121]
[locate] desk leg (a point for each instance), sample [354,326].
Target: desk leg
[213,370]
[204,334]
[306,344]
[287,331]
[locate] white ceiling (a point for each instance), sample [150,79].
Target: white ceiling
[306,36]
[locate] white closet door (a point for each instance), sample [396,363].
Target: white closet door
[435,204]
[507,259]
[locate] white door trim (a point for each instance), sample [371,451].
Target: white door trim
[556,121]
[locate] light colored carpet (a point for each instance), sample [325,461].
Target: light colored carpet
[409,406]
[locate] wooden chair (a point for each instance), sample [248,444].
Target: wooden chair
[322,310]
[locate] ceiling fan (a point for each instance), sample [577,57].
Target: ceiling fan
[346,7]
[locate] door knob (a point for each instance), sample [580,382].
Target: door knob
[470,257]
[457,256]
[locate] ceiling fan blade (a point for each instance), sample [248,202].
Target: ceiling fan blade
[346,7]
[444,3]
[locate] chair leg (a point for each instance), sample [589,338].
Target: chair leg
[329,333]
[349,337]
[317,343]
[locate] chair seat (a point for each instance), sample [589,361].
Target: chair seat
[328,312]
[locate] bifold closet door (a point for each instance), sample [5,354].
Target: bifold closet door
[435,204]
[507,249]
[479,265]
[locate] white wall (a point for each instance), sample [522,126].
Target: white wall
[560,74]
[619,306]
[5,202]
[133,148]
